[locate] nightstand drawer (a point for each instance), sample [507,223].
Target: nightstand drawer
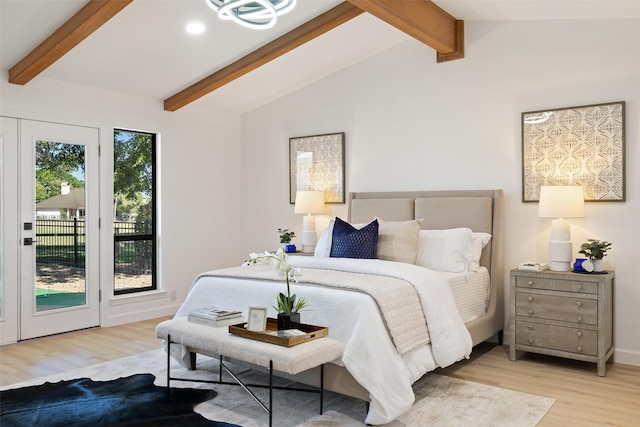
[568,309]
[561,338]
[557,285]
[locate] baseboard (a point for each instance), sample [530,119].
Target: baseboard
[140,315]
[626,357]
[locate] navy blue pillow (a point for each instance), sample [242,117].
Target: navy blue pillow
[350,242]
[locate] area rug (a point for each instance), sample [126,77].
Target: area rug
[132,401]
[440,400]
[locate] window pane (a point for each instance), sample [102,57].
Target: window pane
[60,235]
[134,207]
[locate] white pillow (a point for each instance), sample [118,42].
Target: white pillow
[445,250]
[480,240]
[323,247]
[398,240]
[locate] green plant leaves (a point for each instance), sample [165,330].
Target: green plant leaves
[289,305]
[595,249]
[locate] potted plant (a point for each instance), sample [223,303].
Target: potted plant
[285,239]
[288,306]
[595,250]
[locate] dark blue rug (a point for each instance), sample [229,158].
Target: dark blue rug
[131,401]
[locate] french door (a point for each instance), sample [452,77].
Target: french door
[58,228]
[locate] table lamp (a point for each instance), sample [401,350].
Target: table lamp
[309,202]
[561,202]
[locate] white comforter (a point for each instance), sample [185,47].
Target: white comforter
[353,319]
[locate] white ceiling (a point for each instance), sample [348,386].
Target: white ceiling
[145,50]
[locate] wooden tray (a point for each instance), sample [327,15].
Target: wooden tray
[311,333]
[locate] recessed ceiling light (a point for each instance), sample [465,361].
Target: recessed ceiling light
[195,27]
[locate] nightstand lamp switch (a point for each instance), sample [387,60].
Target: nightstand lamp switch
[561,202]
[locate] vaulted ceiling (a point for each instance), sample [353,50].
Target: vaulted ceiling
[140,46]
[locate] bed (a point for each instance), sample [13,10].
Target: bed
[369,306]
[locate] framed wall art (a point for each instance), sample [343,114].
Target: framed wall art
[316,163]
[582,145]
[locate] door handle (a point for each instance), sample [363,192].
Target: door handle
[28,241]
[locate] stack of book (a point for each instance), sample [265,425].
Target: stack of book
[534,266]
[216,317]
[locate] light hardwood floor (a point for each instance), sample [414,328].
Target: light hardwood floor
[582,398]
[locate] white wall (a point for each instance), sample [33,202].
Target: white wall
[411,124]
[199,185]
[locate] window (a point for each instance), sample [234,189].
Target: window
[134,199]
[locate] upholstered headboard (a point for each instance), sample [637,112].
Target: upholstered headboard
[479,210]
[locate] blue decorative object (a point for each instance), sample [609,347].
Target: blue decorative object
[350,242]
[290,249]
[577,266]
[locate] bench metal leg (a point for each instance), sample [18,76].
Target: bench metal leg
[168,368]
[321,388]
[239,382]
[192,361]
[270,392]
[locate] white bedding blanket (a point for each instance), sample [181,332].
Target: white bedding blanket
[397,299]
[354,319]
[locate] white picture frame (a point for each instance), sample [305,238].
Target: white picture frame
[257,319]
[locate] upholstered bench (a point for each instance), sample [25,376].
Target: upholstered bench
[219,343]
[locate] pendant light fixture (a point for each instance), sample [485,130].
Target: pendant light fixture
[256,14]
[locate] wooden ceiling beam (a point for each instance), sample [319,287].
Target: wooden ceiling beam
[272,50]
[88,19]
[422,20]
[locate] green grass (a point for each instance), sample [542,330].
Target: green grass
[50,297]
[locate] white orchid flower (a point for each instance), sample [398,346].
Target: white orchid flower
[286,303]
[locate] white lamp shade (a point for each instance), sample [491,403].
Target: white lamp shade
[309,202]
[566,201]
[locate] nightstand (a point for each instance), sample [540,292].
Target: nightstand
[562,314]
[298,253]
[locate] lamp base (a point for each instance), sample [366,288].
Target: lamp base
[559,266]
[309,236]
[560,256]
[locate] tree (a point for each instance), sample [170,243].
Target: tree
[133,172]
[55,163]
[60,157]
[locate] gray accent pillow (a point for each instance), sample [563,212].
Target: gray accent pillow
[398,240]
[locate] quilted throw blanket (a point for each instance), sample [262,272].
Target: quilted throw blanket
[397,299]
[450,339]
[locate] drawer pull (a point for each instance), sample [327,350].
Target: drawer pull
[579,303]
[579,333]
[579,318]
[530,340]
[530,312]
[530,282]
[579,287]
[530,298]
[579,348]
[530,326]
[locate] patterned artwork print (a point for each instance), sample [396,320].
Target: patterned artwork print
[575,146]
[317,164]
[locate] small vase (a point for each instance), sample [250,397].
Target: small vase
[290,248]
[598,265]
[286,321]
[577,266]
